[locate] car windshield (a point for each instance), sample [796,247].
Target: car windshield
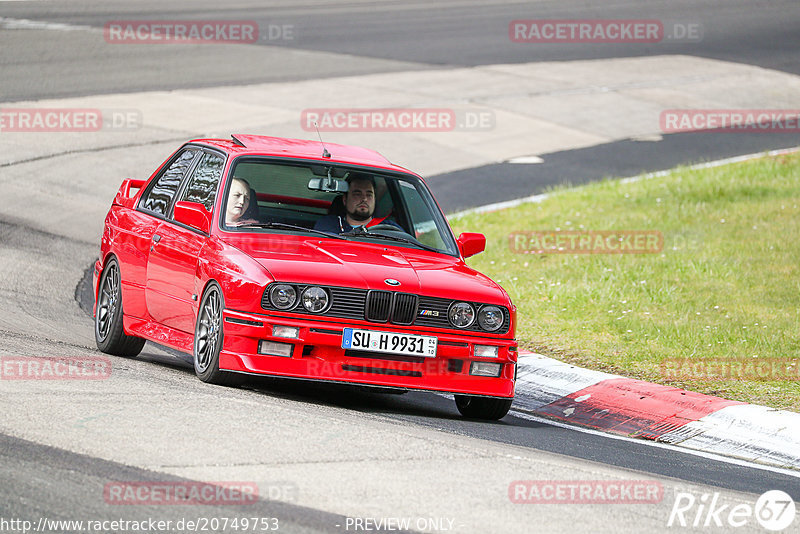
[360,204]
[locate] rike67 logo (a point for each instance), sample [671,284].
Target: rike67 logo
[774,511]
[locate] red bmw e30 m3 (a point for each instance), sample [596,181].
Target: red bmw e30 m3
[284,257]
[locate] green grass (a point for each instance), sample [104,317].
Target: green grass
[725,286]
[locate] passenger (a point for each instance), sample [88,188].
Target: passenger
[359,208]
[238,202]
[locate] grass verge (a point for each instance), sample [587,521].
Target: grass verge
[715,310]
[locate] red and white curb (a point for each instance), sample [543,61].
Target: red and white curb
[611,403]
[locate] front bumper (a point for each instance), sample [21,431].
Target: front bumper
[316,354]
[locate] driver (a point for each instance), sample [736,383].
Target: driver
[359,207]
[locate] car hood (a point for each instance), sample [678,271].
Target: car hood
[333,262]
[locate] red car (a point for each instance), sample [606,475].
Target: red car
[284,257]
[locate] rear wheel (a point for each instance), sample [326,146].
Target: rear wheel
[482,407]
[208,337]
[108,331]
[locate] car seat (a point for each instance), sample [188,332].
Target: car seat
[337,206]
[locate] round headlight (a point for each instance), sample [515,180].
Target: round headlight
[283,296]
[461,314]
[315,299]
[490,318]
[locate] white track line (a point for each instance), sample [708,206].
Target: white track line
[27,24]
[701,454]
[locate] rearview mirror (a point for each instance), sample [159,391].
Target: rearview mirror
[192,214]
[330,185]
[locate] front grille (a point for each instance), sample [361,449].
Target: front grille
[380,306]
[405,308]
[385,306]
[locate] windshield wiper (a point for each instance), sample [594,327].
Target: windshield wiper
[361,232]
[285,226]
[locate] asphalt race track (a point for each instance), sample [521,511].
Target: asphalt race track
[328,458]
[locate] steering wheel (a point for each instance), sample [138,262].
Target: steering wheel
[385,226]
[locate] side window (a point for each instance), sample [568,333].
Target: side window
[159,198]
[202,187]
[424,226]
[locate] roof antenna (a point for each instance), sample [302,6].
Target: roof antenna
[325,153]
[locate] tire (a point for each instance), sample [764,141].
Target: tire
[208,338]
[482,407]
[108,331]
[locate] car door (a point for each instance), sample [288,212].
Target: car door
[172,264]
[137,227]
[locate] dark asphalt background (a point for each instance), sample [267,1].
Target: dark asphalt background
[446,33]
[399,35]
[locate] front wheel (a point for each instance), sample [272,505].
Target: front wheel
[208,337]
[482,407]
[108,331]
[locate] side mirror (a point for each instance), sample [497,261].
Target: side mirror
[470,243]
[192,214]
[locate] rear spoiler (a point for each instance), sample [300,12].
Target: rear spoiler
[123,197]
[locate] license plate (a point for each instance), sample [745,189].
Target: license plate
[389,342]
